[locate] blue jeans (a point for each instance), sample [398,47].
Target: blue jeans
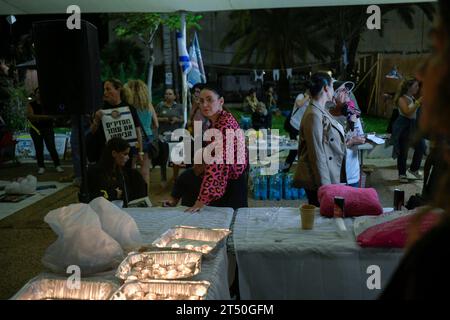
[354,185]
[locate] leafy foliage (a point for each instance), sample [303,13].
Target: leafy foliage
[122,59]
[276,38]
[15,111]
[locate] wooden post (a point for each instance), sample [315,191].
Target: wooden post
[378,84]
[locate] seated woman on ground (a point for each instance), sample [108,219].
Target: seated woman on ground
[111,179]
[187,187]
[261,118]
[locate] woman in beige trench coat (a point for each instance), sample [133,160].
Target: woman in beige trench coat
[322,142]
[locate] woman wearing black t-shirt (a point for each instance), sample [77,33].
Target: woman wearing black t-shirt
[41,130]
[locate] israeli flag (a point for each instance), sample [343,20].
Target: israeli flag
[345,61]
[183,56]
[197,72]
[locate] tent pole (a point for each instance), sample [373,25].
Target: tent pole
[183,74]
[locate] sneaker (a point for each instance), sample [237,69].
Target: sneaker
[415,174]
[59,169]
[403,178]
[41,170]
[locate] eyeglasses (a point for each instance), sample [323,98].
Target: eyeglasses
[341,90]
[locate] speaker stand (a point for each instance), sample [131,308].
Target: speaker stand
[83,195]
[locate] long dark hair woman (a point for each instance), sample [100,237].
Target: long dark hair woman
[322,147]
[224,184]
[110,178]
[404,130]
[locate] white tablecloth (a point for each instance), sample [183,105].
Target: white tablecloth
[278,260]
[152,222]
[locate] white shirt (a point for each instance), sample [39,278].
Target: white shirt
[298,111]
[351,161]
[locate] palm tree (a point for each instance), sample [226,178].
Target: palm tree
[348,23]
[276,39]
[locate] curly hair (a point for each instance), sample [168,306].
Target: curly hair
[138,94]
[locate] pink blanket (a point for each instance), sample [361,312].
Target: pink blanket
[358,201]
[393,234]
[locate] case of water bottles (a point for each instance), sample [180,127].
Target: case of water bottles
[275,187]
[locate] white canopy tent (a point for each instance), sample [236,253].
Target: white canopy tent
[17,7]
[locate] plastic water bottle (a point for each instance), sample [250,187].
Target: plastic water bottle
[256,187]
[263,185]
[287,187]
[286,191]
[280,186]
[301,193]
[271,187]
[275,187]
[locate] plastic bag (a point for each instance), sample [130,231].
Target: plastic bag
[81,241]
[117,223]
[22,186]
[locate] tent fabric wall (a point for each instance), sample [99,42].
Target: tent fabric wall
[59,6]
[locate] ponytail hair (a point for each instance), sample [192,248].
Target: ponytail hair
[318,81]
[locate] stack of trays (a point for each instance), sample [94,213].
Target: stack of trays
[154,275]
[52,288]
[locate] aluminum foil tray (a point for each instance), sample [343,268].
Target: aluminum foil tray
[160,265]
[162,290]
[191,238]
[57,289]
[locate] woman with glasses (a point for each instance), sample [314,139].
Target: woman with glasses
[346,113]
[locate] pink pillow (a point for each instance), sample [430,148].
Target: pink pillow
[358,201]
[393,234]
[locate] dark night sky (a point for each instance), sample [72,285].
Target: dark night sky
[24,23]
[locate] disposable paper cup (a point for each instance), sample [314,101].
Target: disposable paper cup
[307,216]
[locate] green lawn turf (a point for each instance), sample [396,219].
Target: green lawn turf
[370,123]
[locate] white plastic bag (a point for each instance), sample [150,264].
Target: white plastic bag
[22,186]
[81,241]
[117,223]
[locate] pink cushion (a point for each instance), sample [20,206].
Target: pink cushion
[358,201]
[393,234]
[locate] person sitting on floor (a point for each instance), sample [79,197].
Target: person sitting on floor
[187,187]
[250,102]
[111,179]
[261,118]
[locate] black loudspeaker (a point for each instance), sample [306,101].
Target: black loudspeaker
[68,66]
